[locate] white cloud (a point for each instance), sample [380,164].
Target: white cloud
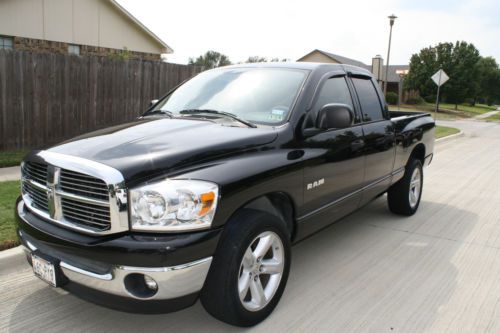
[290,29]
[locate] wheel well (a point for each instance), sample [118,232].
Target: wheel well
[418,153]
[278,204]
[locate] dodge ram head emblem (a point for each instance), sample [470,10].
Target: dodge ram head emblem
[315,184]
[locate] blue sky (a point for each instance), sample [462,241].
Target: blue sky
[291,28]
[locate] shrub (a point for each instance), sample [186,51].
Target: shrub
[469,102]
[430,98]
[391,98]
[415,100]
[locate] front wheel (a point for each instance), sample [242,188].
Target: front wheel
[250,269]
[404,196]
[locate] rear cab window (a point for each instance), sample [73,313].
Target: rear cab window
[369,100]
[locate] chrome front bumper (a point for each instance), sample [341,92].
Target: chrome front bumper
[173,282]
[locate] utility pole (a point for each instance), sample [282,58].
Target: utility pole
[392,18]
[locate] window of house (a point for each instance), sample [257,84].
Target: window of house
[6,43]
[369,100]
[74,49]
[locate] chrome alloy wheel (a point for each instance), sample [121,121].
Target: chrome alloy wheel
[415,187]
[260,271]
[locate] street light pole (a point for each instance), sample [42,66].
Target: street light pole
[391,22]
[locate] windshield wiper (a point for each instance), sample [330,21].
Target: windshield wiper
[165,112]
[222,113]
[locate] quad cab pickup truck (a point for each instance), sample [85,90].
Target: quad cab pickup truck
[203,195]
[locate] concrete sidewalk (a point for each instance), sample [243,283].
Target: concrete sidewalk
[12,173]
[487,114]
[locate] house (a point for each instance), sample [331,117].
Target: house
[377,67]
[81,27]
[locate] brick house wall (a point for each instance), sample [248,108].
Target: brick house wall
[40,45]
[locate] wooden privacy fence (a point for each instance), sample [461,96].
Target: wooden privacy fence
[46,98]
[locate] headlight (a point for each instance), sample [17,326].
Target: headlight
[173,205]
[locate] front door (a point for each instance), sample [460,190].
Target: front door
[334,163]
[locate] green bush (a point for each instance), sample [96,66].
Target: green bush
[430,98]
[415,100]
[391,98]
[469,102]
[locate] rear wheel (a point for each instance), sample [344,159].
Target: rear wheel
[404,196]
[250,269]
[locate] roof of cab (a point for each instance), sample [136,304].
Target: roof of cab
[312,66]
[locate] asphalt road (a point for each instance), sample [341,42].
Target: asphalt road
[437,271]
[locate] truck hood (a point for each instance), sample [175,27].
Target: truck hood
[151,146]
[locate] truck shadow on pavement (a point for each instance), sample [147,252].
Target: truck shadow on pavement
[371,271]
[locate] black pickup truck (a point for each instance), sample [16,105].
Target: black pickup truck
[203,195]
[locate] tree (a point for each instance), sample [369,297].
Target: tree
[424,64]
[255,59]
[464,75]
[211,59]
[458,61]
[489,80]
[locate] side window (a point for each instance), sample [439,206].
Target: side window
[369,100]
[334,90]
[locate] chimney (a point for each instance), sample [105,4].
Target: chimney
[377,68]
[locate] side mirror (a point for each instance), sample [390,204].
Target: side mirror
[334,116]
[153,102]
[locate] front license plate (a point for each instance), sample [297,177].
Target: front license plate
[44,269]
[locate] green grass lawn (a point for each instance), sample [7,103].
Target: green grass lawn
[495,117]
[11,158]
[447,111]
[478,109]
[463,111]
[442,131]
[9,191]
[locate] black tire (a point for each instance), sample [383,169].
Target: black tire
[219,295]
[398,195]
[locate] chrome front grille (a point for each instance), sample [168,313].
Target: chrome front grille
[90,215]
[35,171]
[80,194]
[38,196]
[80,184]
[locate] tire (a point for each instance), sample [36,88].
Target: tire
[233,267]
[404,196]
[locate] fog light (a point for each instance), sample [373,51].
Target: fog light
[150,283]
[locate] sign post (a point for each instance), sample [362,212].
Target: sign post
[439,78]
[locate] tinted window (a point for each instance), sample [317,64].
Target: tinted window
[334,90]
[368,98]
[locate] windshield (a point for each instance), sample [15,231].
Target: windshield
[260,95]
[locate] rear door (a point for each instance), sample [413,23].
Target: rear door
[379,137]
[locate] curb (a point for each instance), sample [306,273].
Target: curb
[6,254]
[10,173]
[12,260]
[450,137]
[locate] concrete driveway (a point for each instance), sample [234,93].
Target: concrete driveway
[437,271]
